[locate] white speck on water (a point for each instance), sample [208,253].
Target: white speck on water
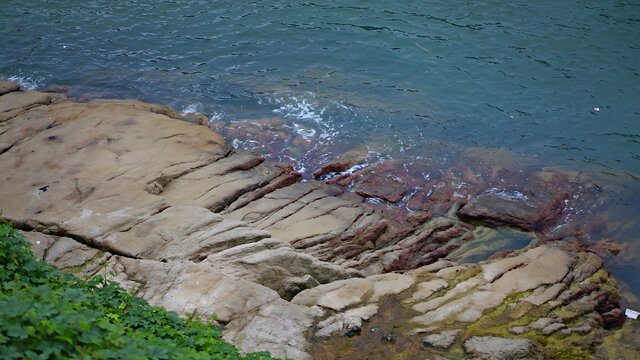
[38,242]
[509,194]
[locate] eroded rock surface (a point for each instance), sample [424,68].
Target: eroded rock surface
[192,224]
[497,309]
[8,86]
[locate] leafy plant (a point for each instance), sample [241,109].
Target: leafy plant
[47,314]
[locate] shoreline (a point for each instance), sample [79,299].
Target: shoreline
[252,227]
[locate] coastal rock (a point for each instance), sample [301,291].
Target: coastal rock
[518,330]
[541,295]
[189,223]
[426,289]
[525,212]
[277,265]
[181,286]
[347,323]
[495,348]
[277,327]
[316,218]
[22,99]
[256,316]
[8,86]
[385,188]
[93,177]
[340,294]
[481,304]
[541,265]
[442,340]
[587,267]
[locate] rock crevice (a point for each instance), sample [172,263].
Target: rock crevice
[195,226]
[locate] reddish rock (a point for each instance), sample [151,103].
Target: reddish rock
[528,212]
[613,319]
[385,188]
[444,236]
[605,302]
[606,245]
[583,289]
[433,256]
[503,254]
[334,166]
[419,217]
[58,89]
[340,180]
[417,200]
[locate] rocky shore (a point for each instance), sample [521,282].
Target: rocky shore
[306,268]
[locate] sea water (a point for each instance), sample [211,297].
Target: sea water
[558,82]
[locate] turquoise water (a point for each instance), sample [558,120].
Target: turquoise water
[417,78]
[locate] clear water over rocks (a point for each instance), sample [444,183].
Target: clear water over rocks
[417,82]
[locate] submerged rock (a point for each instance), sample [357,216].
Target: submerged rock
[189,223]
[525,212]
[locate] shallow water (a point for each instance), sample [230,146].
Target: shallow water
[555,82]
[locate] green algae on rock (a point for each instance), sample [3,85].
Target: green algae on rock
[191,224]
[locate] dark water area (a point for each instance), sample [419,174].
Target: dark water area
[555,83]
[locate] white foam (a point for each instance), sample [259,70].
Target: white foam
[190,109]
[509,195]
[237,144]
[215,116]
[355,168]
[305,108]
[300,108]
[26,82]
[305,132]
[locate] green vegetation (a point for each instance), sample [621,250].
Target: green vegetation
[46,314]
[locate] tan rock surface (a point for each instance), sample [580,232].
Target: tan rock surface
[19,99]
[193,225]
[138,187]
[263,321]
[340,294]
[8,86]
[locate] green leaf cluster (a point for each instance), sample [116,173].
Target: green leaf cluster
[47,314]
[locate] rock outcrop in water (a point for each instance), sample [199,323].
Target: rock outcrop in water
[301,268]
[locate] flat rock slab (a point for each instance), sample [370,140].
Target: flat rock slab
[528,213]
[8,86]
[442,340]
[495,348]
[340,294]
[12,100]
